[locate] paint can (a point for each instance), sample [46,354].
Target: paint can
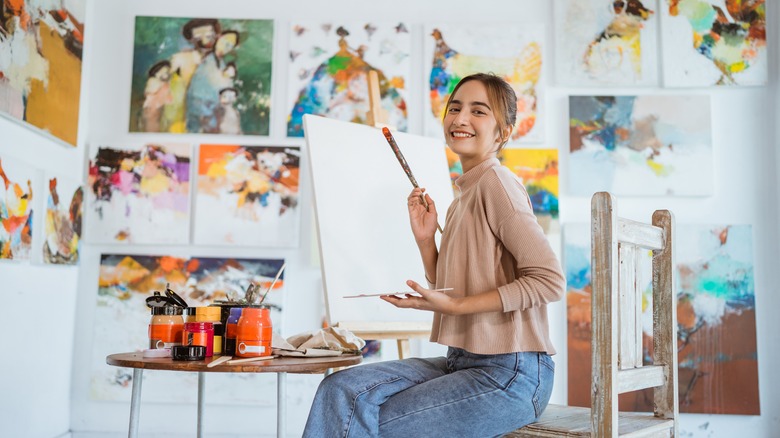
[254,332]
[200,333]
[231,330]
[166,327]
[212,314]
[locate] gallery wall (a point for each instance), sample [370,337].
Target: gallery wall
[744,192]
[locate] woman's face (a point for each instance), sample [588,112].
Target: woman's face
[470,126]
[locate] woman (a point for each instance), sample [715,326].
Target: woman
[498,373]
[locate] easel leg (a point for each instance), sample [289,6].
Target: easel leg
[201,395]
[404,350]
[281,405]
[135,402]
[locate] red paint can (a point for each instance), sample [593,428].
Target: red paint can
[200,333]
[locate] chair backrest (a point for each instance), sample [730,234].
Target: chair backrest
[617,245]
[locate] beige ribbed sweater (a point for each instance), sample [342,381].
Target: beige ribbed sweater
[492,241]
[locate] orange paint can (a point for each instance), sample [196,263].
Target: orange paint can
[254,332]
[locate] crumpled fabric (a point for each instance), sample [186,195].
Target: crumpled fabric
[331,341]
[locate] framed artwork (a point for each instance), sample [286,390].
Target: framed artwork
[329,65]
[709,43]
[16,209]
[603,42]
[122,318]
[247,195]
[201,75]
[640,145]
[62,229]
[139,195]
[538,169]
[717,356]
[41,46]
[514,52]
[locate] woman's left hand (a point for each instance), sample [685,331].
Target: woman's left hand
[428,300]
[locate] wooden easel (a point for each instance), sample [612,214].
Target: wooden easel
[402,332]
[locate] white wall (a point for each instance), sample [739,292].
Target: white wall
[744,152]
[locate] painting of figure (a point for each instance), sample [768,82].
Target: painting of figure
[41,46]
[201,75]
[62,230]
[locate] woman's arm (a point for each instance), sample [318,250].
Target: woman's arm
[424,223]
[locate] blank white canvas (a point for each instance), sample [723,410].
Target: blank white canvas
[360,191]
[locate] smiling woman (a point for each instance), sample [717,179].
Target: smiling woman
[498,373]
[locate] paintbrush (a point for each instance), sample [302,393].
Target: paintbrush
[278,274]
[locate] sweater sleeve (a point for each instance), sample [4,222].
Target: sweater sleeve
[539,278]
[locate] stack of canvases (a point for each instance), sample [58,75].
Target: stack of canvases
[213,76]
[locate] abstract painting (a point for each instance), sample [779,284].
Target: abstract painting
[604,42]
[122,318]
[62,230]
[139,195]
[640,145]
[538,169]
[201,75]
[717,350]
[247,195]
[714,42]
[329,65]
[511,52]
[41,45]
[16,209]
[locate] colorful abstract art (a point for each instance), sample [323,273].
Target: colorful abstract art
[122,317]
[717,349]
[329,65]
[602,42]
[16,209]
[62,230]
[201,75]
[538,169]
[139,195]
[512,52]
[640,145]
[247,195]
[714,42]
[41,45]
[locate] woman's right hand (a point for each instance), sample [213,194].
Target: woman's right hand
[422,219]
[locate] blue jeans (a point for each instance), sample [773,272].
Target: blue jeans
[462,395]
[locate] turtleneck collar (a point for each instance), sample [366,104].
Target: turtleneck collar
[468,179]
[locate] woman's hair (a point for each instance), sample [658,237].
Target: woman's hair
[501,97]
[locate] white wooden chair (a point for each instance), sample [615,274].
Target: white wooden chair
[616,343]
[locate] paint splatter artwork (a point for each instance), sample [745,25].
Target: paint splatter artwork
[329,65]
[709,42]
[122,317]
[602,42]
[538,169]
[201,75]
[512,52]
[41,45]
[16,209]
[62,229]
[247,195]
[717,349]
[640,145]
[139,195]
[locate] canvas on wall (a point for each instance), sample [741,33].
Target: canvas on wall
[247,195]
[201,75]
[41,45]
[139,195]
[640,145]
[328,71]
[603,42]
[122,318]
[16,209]
[538,170]
[515,53]
[62,224]
[714,42]
[717,349]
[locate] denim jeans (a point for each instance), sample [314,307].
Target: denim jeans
[462,395]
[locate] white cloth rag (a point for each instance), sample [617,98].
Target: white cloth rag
[331,341]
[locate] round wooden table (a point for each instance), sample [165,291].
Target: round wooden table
[280,365]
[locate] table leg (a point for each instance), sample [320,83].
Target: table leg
[281,405]
[135,402]
[201,394]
